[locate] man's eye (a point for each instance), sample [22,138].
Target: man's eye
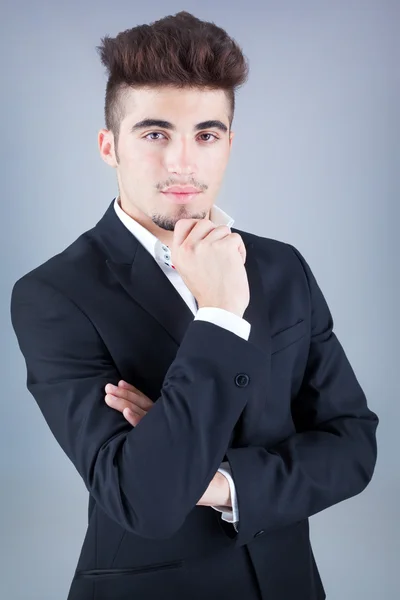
[211,134]
[153,133]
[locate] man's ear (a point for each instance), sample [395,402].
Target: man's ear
[107,147]
[231,136]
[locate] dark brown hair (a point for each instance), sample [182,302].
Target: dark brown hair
[177,51]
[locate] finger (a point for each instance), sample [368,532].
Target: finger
[124,385]
[236,240]
[218,233]
[131,417]
[128,386]
[136,398]
[121,403]
[200,231]
[181,230]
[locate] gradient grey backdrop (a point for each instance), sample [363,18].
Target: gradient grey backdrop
[315,162]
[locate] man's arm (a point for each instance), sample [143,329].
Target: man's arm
[142,477]
[332,455]
[135,405]
[225,489]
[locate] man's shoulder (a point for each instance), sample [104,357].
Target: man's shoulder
[272,250]
[75,261]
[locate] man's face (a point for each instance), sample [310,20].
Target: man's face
[185,150]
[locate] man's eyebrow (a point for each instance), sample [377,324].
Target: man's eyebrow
[167,125]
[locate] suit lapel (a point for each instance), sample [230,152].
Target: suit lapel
[148,285]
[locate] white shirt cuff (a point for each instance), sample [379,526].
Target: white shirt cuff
[225,318]
[230,515]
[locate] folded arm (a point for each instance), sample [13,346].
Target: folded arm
[147,478]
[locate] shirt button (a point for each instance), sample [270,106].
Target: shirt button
[242,380]
[259,533]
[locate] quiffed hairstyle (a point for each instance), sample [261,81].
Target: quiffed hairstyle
[177,51]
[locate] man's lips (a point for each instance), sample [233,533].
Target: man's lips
[176,189]
[181,198]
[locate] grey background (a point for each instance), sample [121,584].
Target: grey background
[315,162]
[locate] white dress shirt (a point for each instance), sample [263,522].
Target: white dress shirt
[223,318]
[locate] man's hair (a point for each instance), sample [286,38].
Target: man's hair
[176,51]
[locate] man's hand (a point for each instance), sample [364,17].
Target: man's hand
[134,405]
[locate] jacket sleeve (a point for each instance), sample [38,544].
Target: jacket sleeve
[332,455]
[149,477]
[241,327]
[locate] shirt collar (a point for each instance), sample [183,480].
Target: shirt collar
[161,252]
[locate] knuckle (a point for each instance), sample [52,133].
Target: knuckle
[219,234]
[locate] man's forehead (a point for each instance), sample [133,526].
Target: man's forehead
[175,109]
[194,104]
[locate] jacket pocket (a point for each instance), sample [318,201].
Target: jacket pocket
[287,337]
[100,573]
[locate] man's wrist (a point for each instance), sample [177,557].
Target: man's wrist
[218,492]
[222,491]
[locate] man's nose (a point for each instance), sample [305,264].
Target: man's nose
[179,157]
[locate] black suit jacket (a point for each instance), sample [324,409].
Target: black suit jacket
[284,408]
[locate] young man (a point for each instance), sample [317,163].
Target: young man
[189,370]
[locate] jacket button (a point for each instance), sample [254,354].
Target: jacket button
[242,380]
[259,533]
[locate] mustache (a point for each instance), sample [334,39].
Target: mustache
[171,182]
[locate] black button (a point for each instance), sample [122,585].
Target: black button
[259,533]
[242,380]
